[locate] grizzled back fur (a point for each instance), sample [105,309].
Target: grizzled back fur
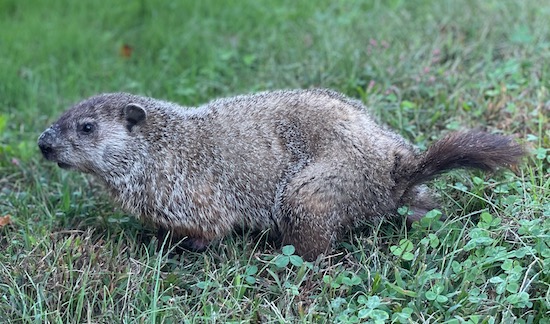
[305,164]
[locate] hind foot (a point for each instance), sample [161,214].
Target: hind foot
[194,244]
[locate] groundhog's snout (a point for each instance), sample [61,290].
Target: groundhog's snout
[46,144]
[50,147]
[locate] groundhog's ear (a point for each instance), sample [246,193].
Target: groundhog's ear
[134,114]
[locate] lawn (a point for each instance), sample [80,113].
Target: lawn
[425,68]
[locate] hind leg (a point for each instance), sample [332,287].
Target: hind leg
[316,205]
[309,232]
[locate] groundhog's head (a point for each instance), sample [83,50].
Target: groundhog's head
[95,136]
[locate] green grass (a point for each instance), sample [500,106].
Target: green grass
[423,67]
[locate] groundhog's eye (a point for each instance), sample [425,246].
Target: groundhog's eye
[86,128]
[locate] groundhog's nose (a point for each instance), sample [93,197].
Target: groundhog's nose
[46,149]
[45,144]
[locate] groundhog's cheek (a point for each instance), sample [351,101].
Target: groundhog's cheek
[108,152]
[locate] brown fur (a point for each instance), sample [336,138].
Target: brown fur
[305,164]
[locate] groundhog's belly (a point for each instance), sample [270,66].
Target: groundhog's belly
[218,200]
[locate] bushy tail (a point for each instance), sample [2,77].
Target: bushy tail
[471,149]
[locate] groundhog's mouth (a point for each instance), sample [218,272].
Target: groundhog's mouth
[64,165]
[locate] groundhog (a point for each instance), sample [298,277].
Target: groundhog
[304,164]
